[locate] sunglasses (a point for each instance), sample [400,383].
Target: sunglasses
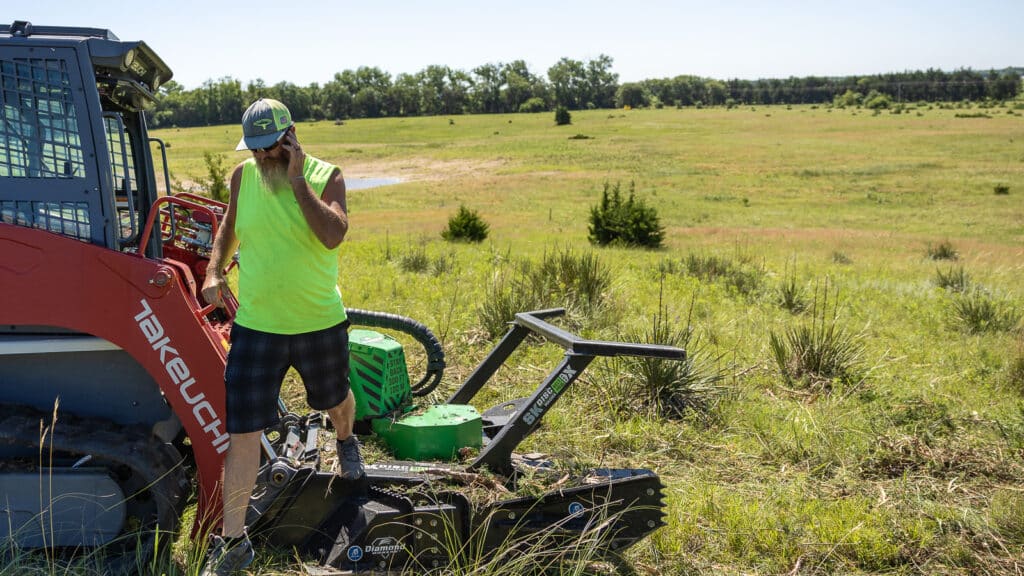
[272,146]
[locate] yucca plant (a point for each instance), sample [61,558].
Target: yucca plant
[416,260]
[952,279]
[942,251]
[577,282]
[791,296]
[670,388]
[977,311]
[819,351]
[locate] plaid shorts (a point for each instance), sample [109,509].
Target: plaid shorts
[258,361]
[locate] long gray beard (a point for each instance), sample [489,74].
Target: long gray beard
[274,173]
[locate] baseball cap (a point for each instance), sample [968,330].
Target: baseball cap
[263,123]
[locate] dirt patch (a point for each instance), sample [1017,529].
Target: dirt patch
[421,169]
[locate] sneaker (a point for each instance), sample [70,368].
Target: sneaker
[224,561]
[350,462]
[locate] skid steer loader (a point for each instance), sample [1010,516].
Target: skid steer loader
[111,363]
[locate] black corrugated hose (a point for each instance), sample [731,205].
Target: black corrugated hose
[422,334]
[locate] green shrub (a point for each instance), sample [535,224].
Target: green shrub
[1001,189]
[562,116]
[533,105]
[818,352]
[215,182]
[631,222]
[466,225]
[977,311]
[875,100]
[942,251]
[848,98]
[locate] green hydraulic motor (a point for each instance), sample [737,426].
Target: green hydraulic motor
[385,398]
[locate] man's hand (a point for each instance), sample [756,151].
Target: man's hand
[213,289]
[296,156]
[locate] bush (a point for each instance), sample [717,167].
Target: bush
[632,222]
[875,100]
[848,98]
[533,105]
[216,177]
[1001,189]
[562,116]
[466,225]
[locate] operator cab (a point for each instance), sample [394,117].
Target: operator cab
[73,160]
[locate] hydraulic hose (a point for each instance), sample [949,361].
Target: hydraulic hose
[422,334]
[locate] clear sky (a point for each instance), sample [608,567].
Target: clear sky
[308,41]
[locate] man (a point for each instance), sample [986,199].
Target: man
[287,216]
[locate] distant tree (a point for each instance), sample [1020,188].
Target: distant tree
[631,94]
[875,100]
[601,83]
[533,105]
[488,81]
[848,98]
[569,81]
[367,103]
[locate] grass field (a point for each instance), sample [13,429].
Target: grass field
[908,462]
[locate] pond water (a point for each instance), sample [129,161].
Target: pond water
[364,183]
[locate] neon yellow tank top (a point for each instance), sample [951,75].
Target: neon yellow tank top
[287,279]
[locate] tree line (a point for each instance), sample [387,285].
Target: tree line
[369,92]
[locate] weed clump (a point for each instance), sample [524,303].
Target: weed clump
[668,388]
[942,251]
[416,260]
[977,312]
[631,222]
[1001,190]
[953,279]
[818,352]
[790,295]
[1006,511]
[841,258]
[466,226]
[1015,372]
[578,282]
[739,276]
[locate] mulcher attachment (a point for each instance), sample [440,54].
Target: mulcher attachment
[411,519]
[415,515]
